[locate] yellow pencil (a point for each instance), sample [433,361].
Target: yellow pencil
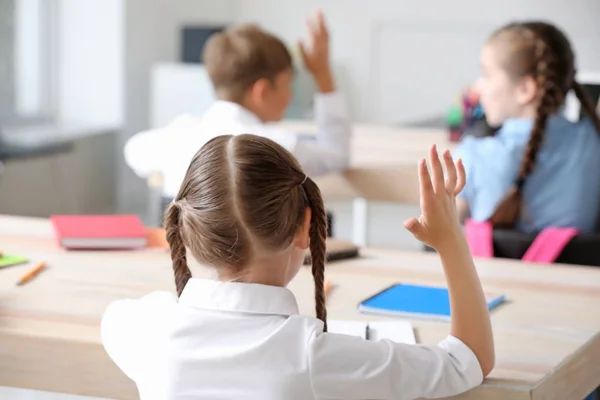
[31,273]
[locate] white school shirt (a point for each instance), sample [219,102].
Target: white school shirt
[247,341]
[169,150]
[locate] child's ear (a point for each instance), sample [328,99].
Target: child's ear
[303,236]
[527,90]
[259,91]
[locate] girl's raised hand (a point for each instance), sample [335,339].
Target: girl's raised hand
[439,221]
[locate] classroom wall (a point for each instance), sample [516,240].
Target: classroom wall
[405,60]
[152,36]
[90,52]
[7,44]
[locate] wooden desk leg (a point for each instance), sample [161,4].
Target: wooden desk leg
[360,216]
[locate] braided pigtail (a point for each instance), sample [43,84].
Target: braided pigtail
[550,97]
[178,252]
[318,235]
[586,104]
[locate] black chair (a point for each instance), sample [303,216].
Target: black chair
[167,200]
[582,250]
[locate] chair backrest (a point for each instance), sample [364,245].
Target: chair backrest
[582,250]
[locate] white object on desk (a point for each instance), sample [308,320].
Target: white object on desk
[398,331]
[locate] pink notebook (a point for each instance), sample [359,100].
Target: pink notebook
[99,231]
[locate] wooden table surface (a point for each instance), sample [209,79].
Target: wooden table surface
[381,157]
[547,335]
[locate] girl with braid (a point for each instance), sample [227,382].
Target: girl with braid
[247,211]
[540,170]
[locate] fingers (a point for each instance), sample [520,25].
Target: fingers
[317,28]
[462,177]
[313,29]
[414,226]
[320,18]
[437,173]
[450,172]
[424,180]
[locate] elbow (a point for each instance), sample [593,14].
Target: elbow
[129,152]
[342,163]
[487,363]
[134,155]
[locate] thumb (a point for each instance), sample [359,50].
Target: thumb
[413,226]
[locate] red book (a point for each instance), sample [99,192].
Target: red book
[99,231]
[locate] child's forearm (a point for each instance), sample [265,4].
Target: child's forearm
[470,321]
[324,81]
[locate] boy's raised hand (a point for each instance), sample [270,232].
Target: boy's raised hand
[315,53]
[438,223]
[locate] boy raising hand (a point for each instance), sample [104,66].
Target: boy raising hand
[252,74]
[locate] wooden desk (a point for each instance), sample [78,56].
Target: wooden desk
[547,336]
[383,167]
[383,161]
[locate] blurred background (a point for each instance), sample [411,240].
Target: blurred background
[79,77]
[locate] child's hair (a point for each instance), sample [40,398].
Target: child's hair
[238,57]
[542,51]
[242,195]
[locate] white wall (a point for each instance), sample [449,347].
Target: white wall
[90,61]
[404,60]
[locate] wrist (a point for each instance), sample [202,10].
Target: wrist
[324,81]
[452,242]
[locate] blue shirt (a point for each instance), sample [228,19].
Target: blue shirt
[564,188]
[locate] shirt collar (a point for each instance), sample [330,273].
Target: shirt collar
[235,111]
[240,297]
[517,126]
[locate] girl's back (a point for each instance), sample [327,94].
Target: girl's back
[564,187]
[212,348]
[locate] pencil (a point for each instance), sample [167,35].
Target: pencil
[1,254]
[31,273]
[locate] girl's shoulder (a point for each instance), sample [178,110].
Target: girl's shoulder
[476,147]
[584,129]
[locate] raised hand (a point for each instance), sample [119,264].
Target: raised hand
[439,218]
[315,53]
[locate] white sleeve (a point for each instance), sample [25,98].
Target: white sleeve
[126,334]
[330,152]
[349,367]
[145,152]
[119,337]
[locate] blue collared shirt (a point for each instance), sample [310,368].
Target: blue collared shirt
[562,191]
